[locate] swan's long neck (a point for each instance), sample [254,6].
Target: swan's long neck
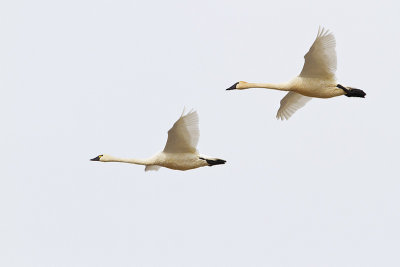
[131,160]
[276,86]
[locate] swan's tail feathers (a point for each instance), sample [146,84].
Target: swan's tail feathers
[152,168]
[214,161]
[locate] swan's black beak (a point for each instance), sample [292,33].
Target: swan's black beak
[233,87]
[96,158]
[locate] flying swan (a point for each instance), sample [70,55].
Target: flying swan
[317,78]
[179,153]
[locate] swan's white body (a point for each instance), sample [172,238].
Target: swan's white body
[176,161]
[180,151]
[317,78]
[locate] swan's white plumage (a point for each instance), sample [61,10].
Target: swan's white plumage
[180,151]
[290,104]
[184,135]
[320,60]
[317,78]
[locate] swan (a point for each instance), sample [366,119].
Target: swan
[180,151]
[317,78]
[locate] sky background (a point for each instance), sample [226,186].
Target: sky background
[82,78]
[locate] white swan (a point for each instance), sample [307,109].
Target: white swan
[317,79]
[179,153]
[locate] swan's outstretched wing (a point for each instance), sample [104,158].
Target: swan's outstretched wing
[290,104]
[184,135]
[320,61]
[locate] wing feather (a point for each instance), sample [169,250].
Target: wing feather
[320,60]
[290,104]
[152,168]
[184,135]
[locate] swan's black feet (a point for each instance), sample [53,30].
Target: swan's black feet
[352,92]
[343,88]
[212,162]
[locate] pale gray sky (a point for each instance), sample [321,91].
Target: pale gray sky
[81,78]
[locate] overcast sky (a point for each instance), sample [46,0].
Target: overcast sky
[82,78]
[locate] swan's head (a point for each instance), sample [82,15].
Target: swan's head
[353,92]
[98,158]
[239,85]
